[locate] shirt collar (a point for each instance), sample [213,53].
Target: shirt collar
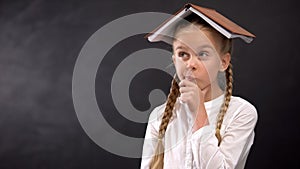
[212,107]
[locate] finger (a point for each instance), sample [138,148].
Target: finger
[187,89]
[185,98]
[186,83]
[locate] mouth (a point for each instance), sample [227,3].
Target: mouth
[190,78]
[188,75]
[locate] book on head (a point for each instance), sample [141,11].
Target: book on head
[219,22]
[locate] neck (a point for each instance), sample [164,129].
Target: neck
[212,91]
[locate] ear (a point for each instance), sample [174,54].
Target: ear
[173,58]
[225,61]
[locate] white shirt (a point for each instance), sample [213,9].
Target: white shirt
[184,149]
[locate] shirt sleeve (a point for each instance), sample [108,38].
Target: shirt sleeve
[235,145]
[150,140]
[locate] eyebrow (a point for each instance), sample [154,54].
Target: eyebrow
[180,47]
[205,46]
[199,47]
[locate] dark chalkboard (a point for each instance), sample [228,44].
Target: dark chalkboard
[40,41]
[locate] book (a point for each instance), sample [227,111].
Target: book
[219,22]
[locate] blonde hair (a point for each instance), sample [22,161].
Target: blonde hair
[225,105]
[226,46]
[157,161]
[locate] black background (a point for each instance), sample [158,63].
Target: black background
[40,41]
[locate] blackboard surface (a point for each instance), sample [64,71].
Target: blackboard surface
[40,41]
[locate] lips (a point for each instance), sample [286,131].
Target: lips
[190,78]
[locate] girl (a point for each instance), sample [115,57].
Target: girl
[201,125]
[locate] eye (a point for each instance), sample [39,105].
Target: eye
[203,54]
[182,54]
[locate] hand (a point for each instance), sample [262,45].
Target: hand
[194,97]
[191,94]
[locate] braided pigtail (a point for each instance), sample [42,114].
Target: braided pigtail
[157,161]
[228,94]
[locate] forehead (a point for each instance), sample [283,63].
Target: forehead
[194,38]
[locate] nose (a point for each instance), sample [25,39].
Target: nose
[191,63]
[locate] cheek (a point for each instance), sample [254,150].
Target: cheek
[212,69]
[179,66]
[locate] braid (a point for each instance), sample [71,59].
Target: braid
[169,107]
[157,161]
[228,94]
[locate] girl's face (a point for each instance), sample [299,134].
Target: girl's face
[196,56]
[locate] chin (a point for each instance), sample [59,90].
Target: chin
[204,86]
